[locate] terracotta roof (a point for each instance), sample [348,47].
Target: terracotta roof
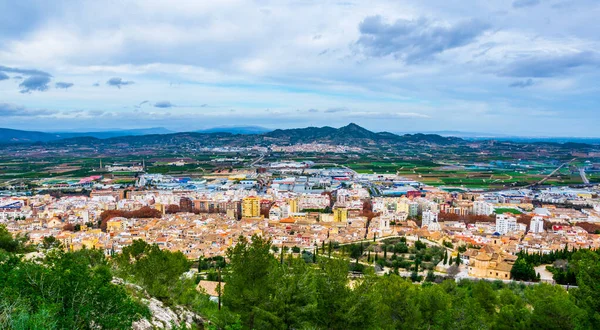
[209,287]
[287,220]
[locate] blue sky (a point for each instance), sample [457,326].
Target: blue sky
[522,67]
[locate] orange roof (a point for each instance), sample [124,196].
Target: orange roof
[287,220]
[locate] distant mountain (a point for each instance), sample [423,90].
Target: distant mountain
[236,130]
[8,135]
[351,134]
[460,134]
[116,133]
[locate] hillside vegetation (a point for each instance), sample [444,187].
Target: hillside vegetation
[262,290]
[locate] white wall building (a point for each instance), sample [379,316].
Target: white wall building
[536,225]
[505,223]
[430,220]
[483,208]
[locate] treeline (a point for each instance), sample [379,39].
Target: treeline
[564,264]
[262,290]
[293,294]
[144,212]
[62,290]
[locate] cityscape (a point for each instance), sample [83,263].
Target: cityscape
[299,165]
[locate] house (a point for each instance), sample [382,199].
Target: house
[210,288]
[489,262]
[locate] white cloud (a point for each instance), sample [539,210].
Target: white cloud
[287,55]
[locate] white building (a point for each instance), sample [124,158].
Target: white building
[483,208]
[430,220]
[536,225]
[505,223]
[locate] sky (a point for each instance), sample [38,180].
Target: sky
[522,67]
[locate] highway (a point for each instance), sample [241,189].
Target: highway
[551,174]
[583,177]
[262,156]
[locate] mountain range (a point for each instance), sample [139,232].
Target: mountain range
[8,135]
[351,134]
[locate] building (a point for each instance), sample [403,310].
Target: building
[293,205]
[340,214]
[251,207]
[413,209]
[489,262]
[536,225]
[505,223]
[483,208]
[430,220]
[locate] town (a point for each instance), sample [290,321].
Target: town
[297,205]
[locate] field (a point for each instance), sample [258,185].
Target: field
[451,172]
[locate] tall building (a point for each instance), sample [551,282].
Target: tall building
[340,214]
[251,207]
[483,208]
[413,209]
[293,205]
[536,225]
[430,220]
[505,223]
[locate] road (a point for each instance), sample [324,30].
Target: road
[583,177]
[551,174]
[262,156]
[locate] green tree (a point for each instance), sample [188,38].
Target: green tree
[250,281]
[397,303]
[155,269]
[50,242]
[552,309]
[66,290]
[523,271]
[332,293]
[10,243]
[484,295]
[586,264]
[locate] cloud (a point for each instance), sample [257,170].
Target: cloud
[163,104]
[14,110]
[334,110]
[18,78]
[118,82]
[525,3]
[35,83]
[141,103]
[550,65]
[416,40]
[522,83]
[28,72]
[63,85]
[388,115]
[96,84]
[313,110]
